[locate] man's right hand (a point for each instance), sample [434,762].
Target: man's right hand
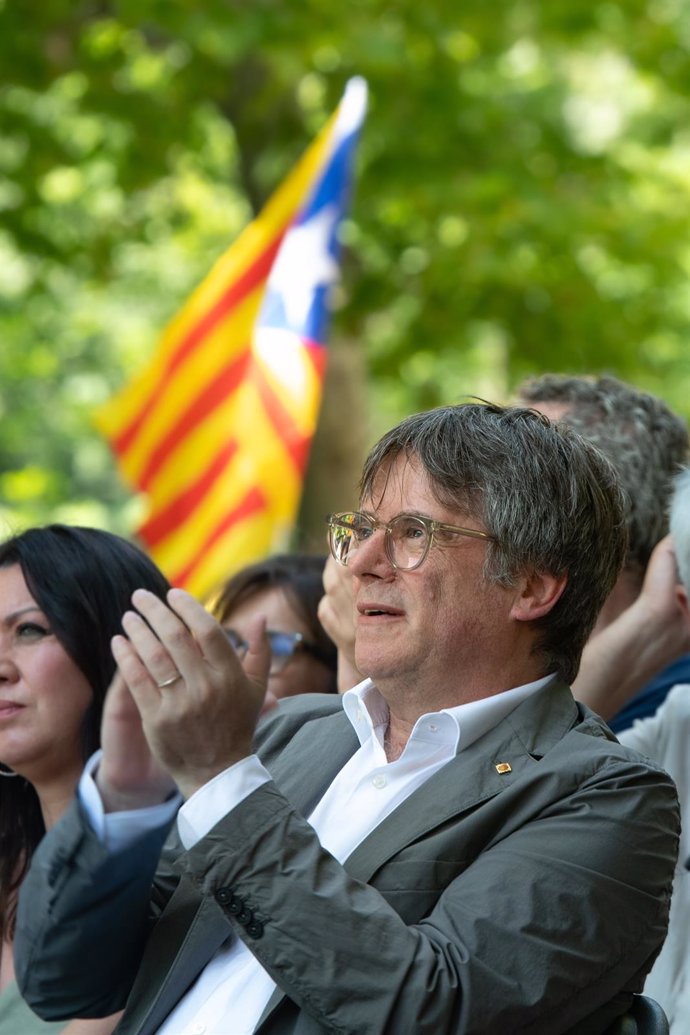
[199,704]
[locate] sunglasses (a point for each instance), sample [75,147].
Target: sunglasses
[284,646]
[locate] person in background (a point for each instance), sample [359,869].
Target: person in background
[454,846]
[639,646]
[665,737]
[336,615]
[62,593]
[286,589]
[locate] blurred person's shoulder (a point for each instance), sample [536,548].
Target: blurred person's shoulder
[602,750]
[664,735]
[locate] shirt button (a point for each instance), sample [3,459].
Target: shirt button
[379,781]
[433,728]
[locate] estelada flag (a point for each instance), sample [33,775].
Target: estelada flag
[216,430]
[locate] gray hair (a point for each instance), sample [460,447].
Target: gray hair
[680,525]
[550,499]
[644,440]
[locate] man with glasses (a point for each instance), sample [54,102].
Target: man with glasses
[454,846]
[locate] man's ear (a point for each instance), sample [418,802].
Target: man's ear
[538,594]
[682,595]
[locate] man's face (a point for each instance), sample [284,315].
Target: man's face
[434,631]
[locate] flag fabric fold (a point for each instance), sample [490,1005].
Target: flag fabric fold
[216,429]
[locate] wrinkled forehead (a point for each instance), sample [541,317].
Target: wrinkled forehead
[402,484]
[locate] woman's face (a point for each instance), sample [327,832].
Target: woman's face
[43,694]
[301,673]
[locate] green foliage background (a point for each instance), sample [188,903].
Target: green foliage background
[521,206]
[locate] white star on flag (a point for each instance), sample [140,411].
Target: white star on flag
[303,264]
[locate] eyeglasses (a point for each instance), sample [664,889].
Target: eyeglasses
[408,538]
[284,646]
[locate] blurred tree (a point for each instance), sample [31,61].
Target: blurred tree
[521,204]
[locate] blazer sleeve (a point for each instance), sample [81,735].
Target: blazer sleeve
[84,917]
[531,910]
[555,922]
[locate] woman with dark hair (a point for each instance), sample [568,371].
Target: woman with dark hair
[63,591]
[286,589]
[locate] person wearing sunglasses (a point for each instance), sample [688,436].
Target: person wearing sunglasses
[454,846]
[286,589]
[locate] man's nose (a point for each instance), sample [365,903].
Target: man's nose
[371,556]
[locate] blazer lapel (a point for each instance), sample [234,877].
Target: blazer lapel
[303,772]
[170,966]
[472,776]
[521,740]
[455,787]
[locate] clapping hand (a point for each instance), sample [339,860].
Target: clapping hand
[196,704]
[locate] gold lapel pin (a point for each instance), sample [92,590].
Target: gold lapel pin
[504,767]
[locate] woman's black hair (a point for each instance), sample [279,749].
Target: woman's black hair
[301,578]
[82,579]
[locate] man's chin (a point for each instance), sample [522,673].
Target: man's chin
[377,665]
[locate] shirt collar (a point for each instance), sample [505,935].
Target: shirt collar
[459,726]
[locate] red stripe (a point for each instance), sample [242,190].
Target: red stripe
[296,442]
[215,393]
[235,293]
[318,354]
[179,509]
[253,502]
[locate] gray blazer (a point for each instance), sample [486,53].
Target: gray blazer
[524,887]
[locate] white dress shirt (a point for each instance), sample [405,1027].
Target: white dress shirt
[231,992]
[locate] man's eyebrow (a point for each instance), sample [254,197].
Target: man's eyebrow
[413,513]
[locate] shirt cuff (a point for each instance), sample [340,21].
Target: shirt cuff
[119,830]
[215,799]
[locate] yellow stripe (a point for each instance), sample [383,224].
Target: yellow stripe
[277,212]
[261,458]
[245,543]
[241,417]
[258,446]
[261,461]
[192,377]
[255,238]
[290,372]
[194,453]
[179,549]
